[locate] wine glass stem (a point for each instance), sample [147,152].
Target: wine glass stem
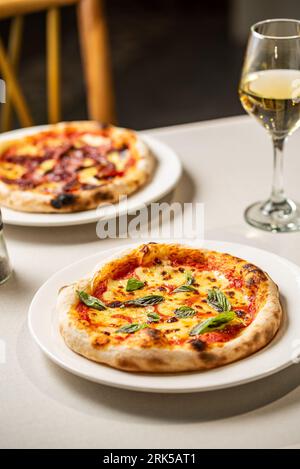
[278,194]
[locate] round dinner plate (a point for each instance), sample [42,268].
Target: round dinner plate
[43,324]
[167,173]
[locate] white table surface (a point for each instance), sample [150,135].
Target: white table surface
[227,165]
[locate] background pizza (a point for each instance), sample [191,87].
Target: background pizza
[168,308]
[71,167]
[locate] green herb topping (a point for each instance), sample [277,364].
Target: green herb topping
[134,284]
[216,322]
[184,312]
[153,317]
[217,300]
[131,328]
[91,301]
[148,300]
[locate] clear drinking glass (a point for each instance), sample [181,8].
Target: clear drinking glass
[270,91]
[5,268]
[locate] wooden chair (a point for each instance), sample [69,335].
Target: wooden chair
[94,51]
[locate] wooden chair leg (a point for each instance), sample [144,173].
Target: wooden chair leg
[14,89]
[53,65]
[96,60]
[14,49]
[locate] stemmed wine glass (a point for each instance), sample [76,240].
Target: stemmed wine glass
[270,91]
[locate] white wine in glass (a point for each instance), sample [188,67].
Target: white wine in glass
[270,91]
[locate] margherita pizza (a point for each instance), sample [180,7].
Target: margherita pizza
[71,167]
[170,308]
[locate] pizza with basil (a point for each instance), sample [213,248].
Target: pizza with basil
[72,167]
[170,308]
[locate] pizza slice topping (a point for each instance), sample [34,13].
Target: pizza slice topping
[91,301]
[67,161]
[134,284]
[182,301]
[213,323]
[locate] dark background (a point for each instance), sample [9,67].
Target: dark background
[174,61]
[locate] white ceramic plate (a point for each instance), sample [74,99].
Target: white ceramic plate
[276,356]
[165,178]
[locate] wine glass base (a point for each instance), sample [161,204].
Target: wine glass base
[280,217]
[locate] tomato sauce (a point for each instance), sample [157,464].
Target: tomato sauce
[126,270]
[222,336]
[122,316]
[100,289]
[83,311]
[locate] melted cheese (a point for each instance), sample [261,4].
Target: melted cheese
[162,280]
[47,187]
[88,162]
[87,176]
[114,157]
[95,140]
[27,149]
[11,170]
[46,166]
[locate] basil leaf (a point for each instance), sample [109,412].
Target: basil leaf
[189,278]
[131,328]
[184,288]
[134,284]
[188,284]
[212,323]
[184,312]
[91,301]
[153,317]
[217,300]
[145,301]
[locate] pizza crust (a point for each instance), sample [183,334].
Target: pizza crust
[36,202]
[151,356]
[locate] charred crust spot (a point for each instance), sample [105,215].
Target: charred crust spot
[115,304]
[251,268]
[151,336]
[172,319]
[155,361]
[154,334]
[256,337]
[128,364]
[208,357]
[255,279]
[277,314]
[145,249]
[100,196]
[250,282]
[257,274]
[198,345]
[62,200]
[268,335]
